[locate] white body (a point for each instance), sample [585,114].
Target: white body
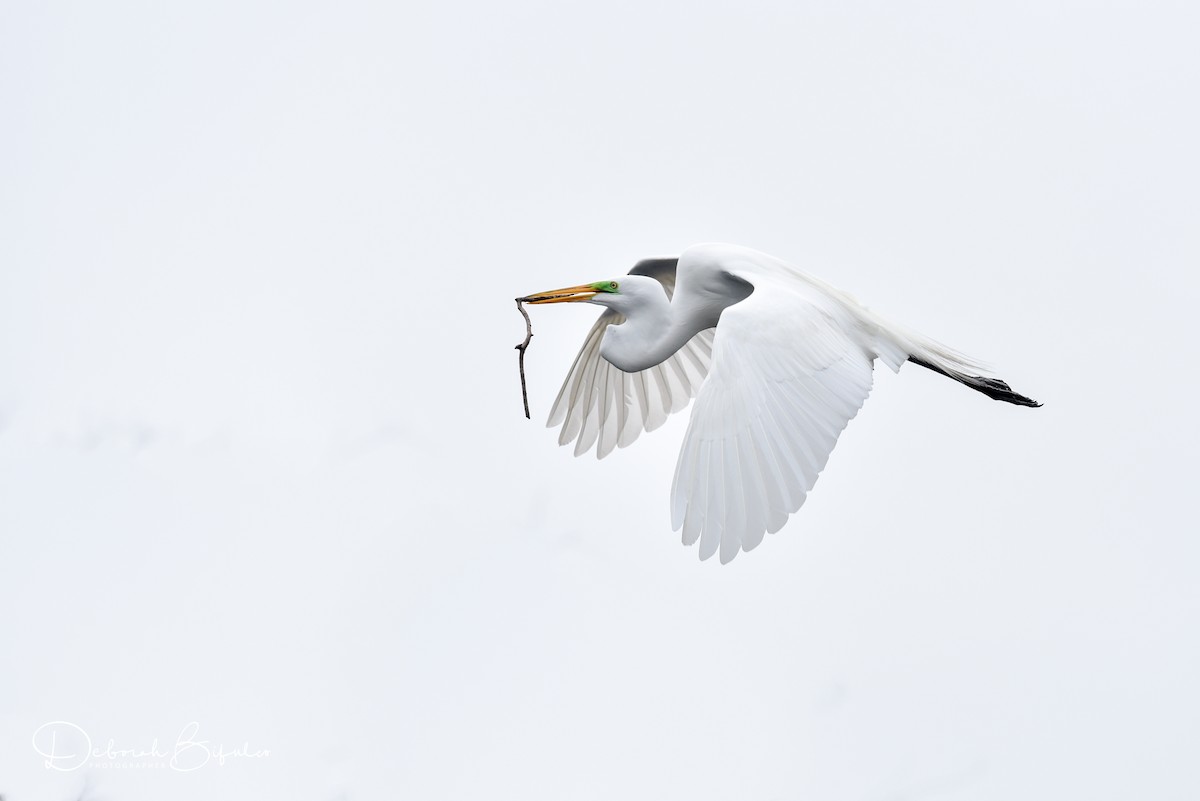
[777,360]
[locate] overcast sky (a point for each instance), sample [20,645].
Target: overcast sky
[263,465]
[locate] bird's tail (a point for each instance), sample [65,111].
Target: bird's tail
[896,345]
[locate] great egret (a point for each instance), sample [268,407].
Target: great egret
[777,360]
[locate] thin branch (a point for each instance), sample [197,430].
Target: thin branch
[521,357]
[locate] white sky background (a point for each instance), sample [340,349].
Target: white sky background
[263,465]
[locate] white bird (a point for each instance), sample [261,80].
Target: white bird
[777,360]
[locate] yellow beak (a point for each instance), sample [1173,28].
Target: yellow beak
[572,294]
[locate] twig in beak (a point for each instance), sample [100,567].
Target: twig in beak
[521,357]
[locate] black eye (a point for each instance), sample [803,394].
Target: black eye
[612,285]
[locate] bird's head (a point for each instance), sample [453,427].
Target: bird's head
[584,293]
[615,294]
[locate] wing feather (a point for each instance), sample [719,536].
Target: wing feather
[603,406]
[786,375]
[713,522]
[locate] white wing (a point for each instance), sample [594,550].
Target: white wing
[599,403]
[786,377]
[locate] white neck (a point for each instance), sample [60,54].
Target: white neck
[650,337]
